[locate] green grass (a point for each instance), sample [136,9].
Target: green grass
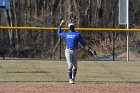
[40,70]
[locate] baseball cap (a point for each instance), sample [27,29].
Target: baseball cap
[70,24]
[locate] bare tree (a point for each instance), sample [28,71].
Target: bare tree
[48,13]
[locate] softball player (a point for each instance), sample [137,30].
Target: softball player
[72,38]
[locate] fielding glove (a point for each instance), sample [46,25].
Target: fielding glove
[92,52]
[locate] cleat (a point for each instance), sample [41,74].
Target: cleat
[71,81]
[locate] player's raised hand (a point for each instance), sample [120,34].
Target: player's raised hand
[62,22]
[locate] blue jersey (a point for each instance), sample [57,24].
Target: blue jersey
[72,38]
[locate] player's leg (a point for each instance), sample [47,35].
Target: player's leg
[74,71]
[74,64]
[69,63]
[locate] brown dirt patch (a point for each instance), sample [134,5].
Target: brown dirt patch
[64,87]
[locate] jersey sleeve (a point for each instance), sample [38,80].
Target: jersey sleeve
[82,42]
[60,32]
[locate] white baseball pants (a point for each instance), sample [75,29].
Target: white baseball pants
[71,57]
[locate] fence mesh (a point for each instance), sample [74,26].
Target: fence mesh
[44,43]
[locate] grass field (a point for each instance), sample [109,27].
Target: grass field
[56,71]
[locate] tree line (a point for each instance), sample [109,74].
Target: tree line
[48,13]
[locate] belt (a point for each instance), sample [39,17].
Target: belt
[72,48]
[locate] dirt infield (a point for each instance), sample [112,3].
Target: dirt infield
[64,87]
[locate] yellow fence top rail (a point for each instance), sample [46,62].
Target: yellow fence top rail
[79,29]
